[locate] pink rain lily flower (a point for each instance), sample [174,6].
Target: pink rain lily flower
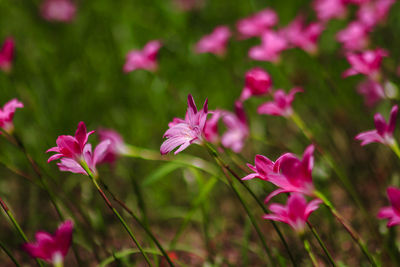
[393,211]
[367,63]
[58,10]
[145,59]
[7,54]
[52,248]
[354,36]
[116,148]
[183,133]
[263,166]
[7,114]
[384,131]
[373,12]
[257,24]
[215,43]
[372,92]
[257,82]
[295,213]
[282,104]
[272,44]
[330,9]
[211,127]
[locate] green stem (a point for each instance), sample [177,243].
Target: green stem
[309,252]
[9,254]
[321,243]
[395,147]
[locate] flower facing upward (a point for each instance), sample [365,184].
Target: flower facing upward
[384,131]
[58,10]
[329,9]
[393,211]
[257,82]
[282,104]
[272,44]
[143,59]
[185,132]
[7,54]
[7,114]
[215,42]
[295,213]
[354,36]
[367,63]
[52,248]
[256,24]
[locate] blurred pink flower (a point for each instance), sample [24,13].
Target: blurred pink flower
[330,9]
[354,36]
[58,10]
[52,248]
[272,44]
[257,24]
[185,132]
[282,104]
[143,59]
[7,114]
[372,92]
[373,12]
[367,62]
[116,148]
[295,213]
[384,131]
[357,2]
[257,82]
[215,42]
[263,166]
[211,127]
[7,54]
[393,211]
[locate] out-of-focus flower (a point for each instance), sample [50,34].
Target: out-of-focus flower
[211,127]
[215,42]
[282,104]
[116,148]
[58,10]
[263,166]
[272,44]
[393,211]
[257,24]
[7,114]
[372,92]
[185,132]
[143,59]
[7,54]
[373,12]
[52,248]
[257,82]
[367,63]
[295,213]
[357,2]
[354,36]
[384,131]
[330,9]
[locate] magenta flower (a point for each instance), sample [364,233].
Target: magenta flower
[272,44]
[372,92]
[7,54]
[257,24]
[373,12]
[143,59]
[211,127]
[7,114]
[330,9]
[295,213]
[116,148]
[384,131]
[354,37]
[282,104]
[393,211]
[58,10]
[185,132]
[52,248]
[257,82]
[367,63]
[215,42]
[263,166]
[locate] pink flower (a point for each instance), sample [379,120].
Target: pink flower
[282,104]
[295,213]
[7,114]
[143,59]
[185,132]
[215,42]
[367,63]
[373,12]
[372,92]
[58,10]
[272,44]
[256,24]
[211,127]
[354,37]
[7,54]
[384,131]
[117,146]
[263,166]
[329,9]
[393,211]
[257,82]
[52,248]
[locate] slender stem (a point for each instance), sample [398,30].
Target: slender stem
[309,252]
[321,243]
[9,254]
[395,147]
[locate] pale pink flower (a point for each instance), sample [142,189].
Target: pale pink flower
[215,42]
[282,104]
[373,12]
[257,82]
[58,10]
[188,131]
[116,148]
[393,211]
[143,59]
[257,24]
[295,213]
[211,127]
[7,54]
[52,248]
[354,36]
[372,92]
[330,9]
[367,62]
[7,114]
[272,44]
[384,131]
